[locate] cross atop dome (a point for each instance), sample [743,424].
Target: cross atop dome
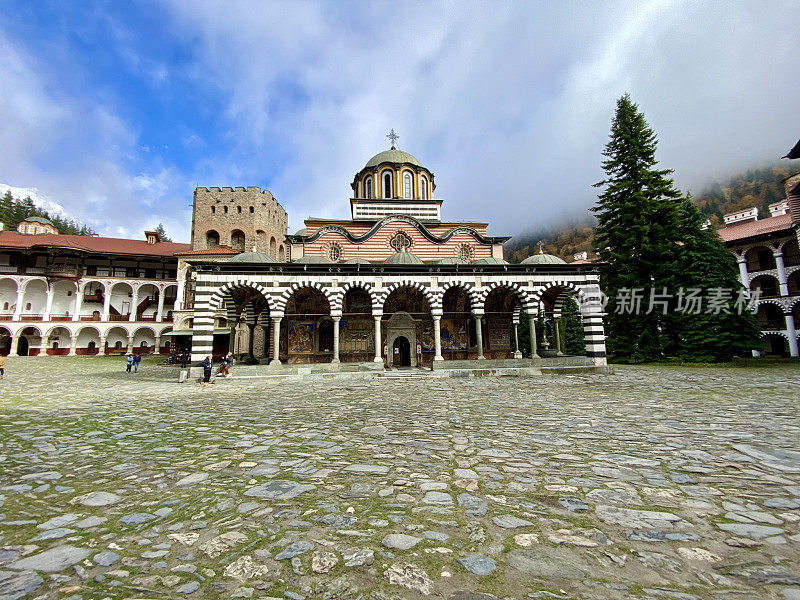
[393,136]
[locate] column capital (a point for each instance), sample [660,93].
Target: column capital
[377,312]
[336,318]
[477,313]
[276,314]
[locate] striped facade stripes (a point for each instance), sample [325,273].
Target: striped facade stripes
[212,288]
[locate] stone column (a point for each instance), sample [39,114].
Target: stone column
[78,305]
[181,292]
[160,311]
[743,276]
[557,335]
[276,340]
[73,343]
[378,358]
[45,343]
[134,304]
[12,351]
[106,304]
[479,335]
[534,344]
[437,337]
[251,327]
[19,306]
[517,353]
[232,339]
[792,333]
[48,307]
[158,345]
[335,339]
[130,344]
[782,282]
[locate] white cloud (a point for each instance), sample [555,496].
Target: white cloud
[79,155]
[510,104]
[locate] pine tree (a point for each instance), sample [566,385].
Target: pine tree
[637,222]
[703,262]
[6,203]
[572,328]
[162,232]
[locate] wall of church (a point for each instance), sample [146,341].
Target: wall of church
[379,247]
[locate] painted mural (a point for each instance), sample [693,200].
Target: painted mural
[301,337]
[454,334]
[356,335]
[407,299]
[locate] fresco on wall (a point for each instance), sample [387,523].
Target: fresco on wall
[301,337]
[308,301]
[407,299]
[357,301]
[356,335]
[456,300]
[454,334]
[425,335]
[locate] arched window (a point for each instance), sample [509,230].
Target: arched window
[225,209]
[387,185]
[368,187]
[423,187]
[213,209]
[334,252]
[252,210]
[212,239]
[237,240]
[408,186]
[238,209]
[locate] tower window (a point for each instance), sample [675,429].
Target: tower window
[225,209]
[408,186]
[238,209]
[252,210]
[387,185]
[423,186]
[213,209]
[368,187]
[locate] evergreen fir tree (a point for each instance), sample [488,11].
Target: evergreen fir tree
[637,222]
[572,336]
[161,231]
[703,262]
[6,203]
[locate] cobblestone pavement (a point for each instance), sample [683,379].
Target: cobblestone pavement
[649,483]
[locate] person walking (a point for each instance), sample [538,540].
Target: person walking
[208,365]
[136,360]
[2,366]
[184,359]
[128,363]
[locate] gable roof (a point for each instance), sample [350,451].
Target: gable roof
[92,244]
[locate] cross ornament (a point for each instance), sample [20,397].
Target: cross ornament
[393,136]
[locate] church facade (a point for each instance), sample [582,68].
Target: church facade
[394,285]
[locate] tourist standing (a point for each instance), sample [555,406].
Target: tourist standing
[208,365]
[2,366]
[184,359]
[128,363]
[136,360]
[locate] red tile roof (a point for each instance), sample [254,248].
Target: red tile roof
[740,231]
[85,243]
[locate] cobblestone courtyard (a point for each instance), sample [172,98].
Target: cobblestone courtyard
[649,483]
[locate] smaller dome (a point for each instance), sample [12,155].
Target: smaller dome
[403,258]
[357,261]
[450,261]
[302,231]
[544,259]
[251,257]
[312,260]
[490,261]
[41,220]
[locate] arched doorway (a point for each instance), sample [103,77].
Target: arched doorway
[401,352]
[22,346]
[407,313]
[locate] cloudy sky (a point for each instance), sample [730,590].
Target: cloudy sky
[118,110]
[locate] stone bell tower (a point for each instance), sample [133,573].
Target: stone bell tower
[240,218]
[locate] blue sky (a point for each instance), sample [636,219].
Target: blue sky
[117,110]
